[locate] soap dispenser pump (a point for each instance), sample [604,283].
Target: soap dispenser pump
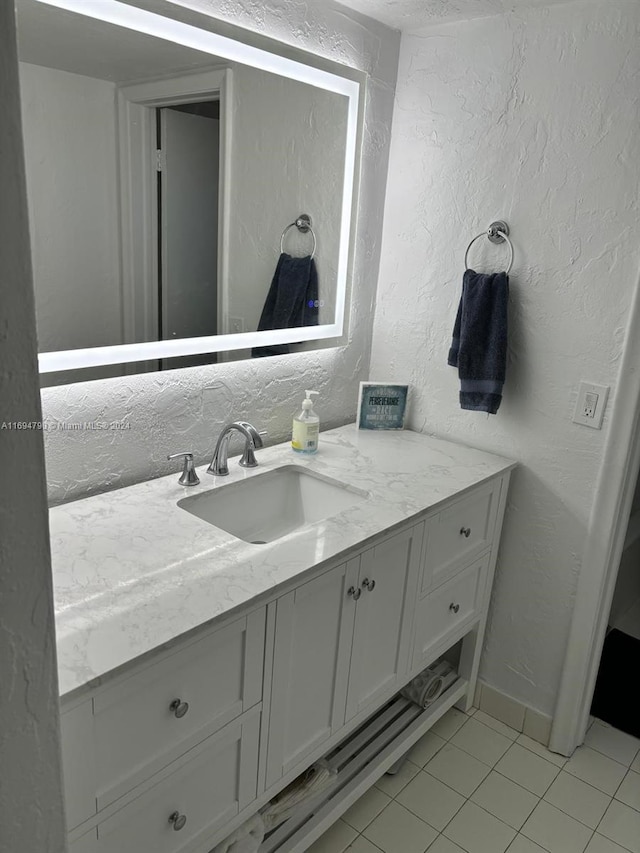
[306,427]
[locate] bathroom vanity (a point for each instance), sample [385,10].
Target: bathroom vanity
[200,673]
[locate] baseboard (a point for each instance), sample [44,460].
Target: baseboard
[516,714]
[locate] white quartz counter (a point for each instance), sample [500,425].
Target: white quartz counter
[132,570]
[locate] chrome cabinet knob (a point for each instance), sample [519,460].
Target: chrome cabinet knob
[465,531]
[354,593]
[179,708]
[454,607]
[178,820]
[370,585]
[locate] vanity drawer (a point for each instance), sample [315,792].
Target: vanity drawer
[440,614]
[194,800]
[459,533]
[146,721]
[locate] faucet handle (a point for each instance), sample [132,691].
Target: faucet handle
[188,476]
[248,458]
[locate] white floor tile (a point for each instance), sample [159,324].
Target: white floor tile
[476,831]
[505,800]
[368,807]
[336,839]
[443,845]
[424,750]
[622,825]
[448,725]
[577,799]
[392,785]
[600,844]
[612,742]
[458,769]
[596,769]
[527,769]
[397,830]
[501,800]
[483,743]
[542,751]
[498,725]
[555,831]
[629,791]
[431,800]
[522,844]
[362,845]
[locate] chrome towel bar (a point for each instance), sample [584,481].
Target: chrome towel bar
[497,232]
[303,224]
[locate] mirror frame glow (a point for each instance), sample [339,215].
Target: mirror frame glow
[153,24]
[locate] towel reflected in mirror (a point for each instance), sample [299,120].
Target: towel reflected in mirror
[292,300]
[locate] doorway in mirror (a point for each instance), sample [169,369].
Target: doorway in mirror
[188,165]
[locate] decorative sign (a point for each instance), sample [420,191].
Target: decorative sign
[382,405]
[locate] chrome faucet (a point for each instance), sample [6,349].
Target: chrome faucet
[253,440]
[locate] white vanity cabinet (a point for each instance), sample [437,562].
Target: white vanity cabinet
[341,646]
[384,614]
[151,724]
[313,634]
[202,793]
[173,754]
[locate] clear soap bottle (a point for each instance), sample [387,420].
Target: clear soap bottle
[306,427]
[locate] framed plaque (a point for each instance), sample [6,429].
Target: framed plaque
[382,405]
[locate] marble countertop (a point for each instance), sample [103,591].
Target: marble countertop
[132,570]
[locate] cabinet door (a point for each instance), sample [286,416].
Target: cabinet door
[388,580]
[314,627]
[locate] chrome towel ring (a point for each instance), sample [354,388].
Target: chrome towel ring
[303,224]
[497,232]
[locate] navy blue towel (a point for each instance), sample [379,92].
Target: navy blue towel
[479,345]
[292,300]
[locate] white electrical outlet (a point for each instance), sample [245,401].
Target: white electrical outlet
[590,405]
[236,325]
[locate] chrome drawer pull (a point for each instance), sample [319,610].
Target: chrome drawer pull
[454,607]
[354,593]
[178,820]
[465,531]
[370,585]
[179,708]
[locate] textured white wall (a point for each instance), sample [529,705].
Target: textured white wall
[170,411]
[288,158]
[69,127]
[31,817]
[532,117]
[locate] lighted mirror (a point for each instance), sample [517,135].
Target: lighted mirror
[190,196]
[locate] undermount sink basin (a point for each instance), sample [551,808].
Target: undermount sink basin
[270,505]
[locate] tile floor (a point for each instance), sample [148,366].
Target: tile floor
[474,785]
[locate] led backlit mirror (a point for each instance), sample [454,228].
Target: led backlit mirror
[164,163]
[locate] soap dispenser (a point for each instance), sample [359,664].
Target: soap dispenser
[306,427]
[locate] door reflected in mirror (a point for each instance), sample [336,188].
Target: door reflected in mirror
[164,183]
